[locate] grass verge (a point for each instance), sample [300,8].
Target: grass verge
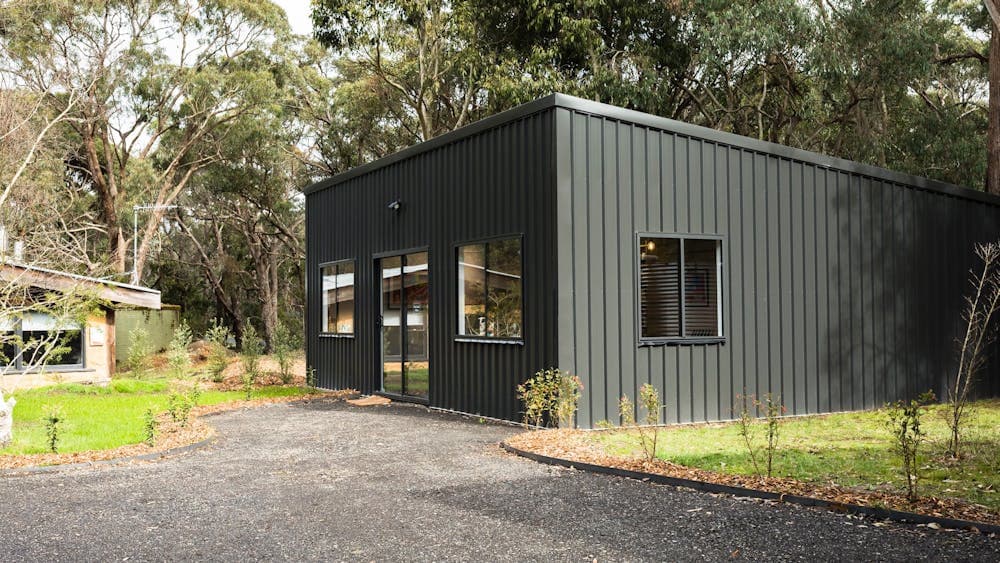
[103,418]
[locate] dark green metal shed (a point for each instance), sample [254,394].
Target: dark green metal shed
[629,248]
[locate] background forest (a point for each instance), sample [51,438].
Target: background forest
[211,115]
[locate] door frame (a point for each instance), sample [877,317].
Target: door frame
[379,345]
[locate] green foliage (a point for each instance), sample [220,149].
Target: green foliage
[311,378]
[149,427]
[852,450]
[550,398]
[747,408]
[53,416]
[252,349]
[649,398]
[283,346]
[177,354]
[217,337]
[139,351]
[903,422]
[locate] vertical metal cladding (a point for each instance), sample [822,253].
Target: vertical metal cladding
[491,183]
[842,286]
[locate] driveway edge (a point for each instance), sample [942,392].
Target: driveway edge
[34,470]
[879,513]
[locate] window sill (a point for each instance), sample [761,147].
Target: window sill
[52,369]
[682,341]
[333,335]
[481,340]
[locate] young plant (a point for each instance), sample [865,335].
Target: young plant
[311,379]
[981,308]
[217,336]
[252,349]
[283,347]
[773,410]
[649,398]
[903,422]
[53,420]
[139,350]
[550,398]
[745,406]
[149,428]
[177,354]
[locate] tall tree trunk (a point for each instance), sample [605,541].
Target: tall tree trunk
[993,133]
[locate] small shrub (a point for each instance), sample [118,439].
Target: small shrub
[550,398]
[311,379]
[903,421]
[217,336]
[149,428]
[649,398]
[139,350]
[252,349]
[283,347]
[746,427]
[179,406]
[773,410]
[177,354]
[53,420]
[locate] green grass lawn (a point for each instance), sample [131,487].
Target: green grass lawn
[98,418]
[852,449]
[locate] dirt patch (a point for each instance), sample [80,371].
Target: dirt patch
[574,445]
[369,401]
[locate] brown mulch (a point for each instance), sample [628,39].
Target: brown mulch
[369,401]
[574,445]
[170,435]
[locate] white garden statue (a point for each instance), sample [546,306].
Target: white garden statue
[6,420]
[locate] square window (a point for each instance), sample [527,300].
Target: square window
[680,288]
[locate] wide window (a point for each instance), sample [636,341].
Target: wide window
[679,287]
[39,339]
[338,298]
[489,289]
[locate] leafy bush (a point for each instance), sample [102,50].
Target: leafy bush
[139,350]
[149,428]
[252,349]
[550,398]
[177,354]
[903,421]
[217,336]
[284,344]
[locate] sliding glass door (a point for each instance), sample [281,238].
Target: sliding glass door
[405,309]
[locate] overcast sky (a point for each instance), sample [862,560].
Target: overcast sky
[298,15]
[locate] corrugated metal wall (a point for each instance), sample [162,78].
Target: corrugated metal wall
[493,183]
[841,290]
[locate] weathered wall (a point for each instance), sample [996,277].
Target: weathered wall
[160,324]
[842,285]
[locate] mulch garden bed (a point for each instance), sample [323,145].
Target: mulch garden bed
[574,445]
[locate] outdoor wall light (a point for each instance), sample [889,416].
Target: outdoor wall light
[650,246]
[395,205]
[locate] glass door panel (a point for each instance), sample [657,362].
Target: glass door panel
[392,317]
[417,300]
[405,292]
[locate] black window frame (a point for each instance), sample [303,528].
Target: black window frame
[17,363]
[720,270]
[472,338]
[354,309]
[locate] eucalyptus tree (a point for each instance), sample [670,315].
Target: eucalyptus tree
[160,81]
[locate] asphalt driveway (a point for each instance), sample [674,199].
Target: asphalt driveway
[326,481]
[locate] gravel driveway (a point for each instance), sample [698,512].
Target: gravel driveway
[327,481]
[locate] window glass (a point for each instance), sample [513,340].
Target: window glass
[338,298]
[701,288]
[472,290]
[662,261]
[42,334]
[490,299]
[659,275]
